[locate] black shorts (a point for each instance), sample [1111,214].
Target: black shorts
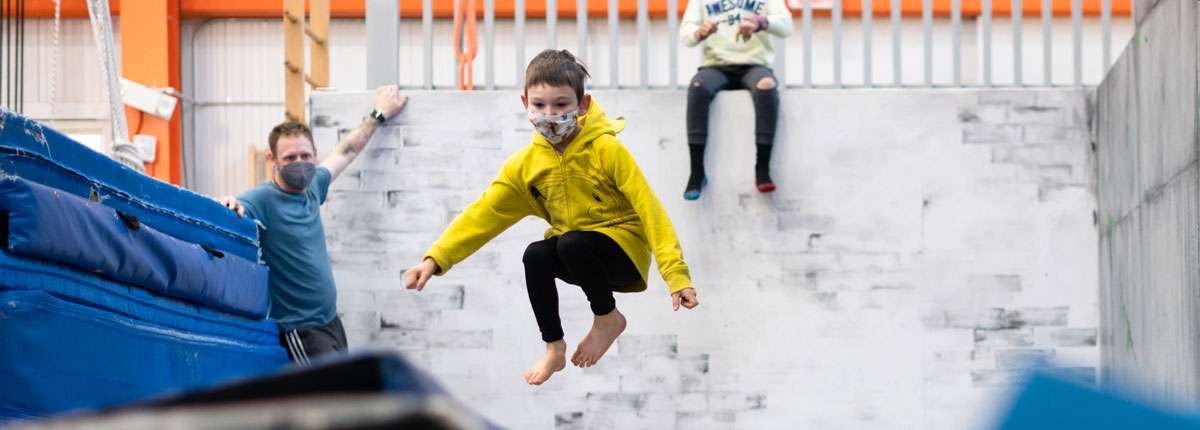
[305,343]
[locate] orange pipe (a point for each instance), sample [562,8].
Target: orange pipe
[566,8]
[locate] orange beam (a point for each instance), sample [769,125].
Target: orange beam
[150,43]
[566,8]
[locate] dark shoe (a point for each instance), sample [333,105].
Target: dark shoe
[694,193]
[764,183]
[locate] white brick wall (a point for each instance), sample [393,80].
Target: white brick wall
[924,250]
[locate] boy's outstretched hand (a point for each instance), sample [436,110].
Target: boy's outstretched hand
[685,297]
[416,276]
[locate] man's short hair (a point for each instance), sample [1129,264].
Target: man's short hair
[557,68]
[289,128]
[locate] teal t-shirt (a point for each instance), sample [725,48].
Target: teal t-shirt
[292,238]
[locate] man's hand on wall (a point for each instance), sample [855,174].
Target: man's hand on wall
[388,100]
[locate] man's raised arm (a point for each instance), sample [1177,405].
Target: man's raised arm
[388,103]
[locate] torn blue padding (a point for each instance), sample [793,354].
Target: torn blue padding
[174,224]
[48,224]
[60,356]
[80,170]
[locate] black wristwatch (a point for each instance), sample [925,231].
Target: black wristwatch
[375,113]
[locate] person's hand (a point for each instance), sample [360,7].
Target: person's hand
[232,204]
[745,30]
[707,29]
[416,276]
[685,297]
[388,100]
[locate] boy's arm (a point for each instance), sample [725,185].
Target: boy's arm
[387,101]
[657,226]
[779,19]
[500,206]
[691,21]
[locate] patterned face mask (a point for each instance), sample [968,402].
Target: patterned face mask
[554,128]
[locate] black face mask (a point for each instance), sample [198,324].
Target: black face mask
[298,175]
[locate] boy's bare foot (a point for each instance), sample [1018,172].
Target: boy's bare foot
[553,360]
[605,329]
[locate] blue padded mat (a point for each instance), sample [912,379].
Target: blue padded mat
[42,155]
[60,356]
[46,223]
[1047,403]
[67,283]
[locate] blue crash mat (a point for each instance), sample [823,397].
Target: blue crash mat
[42,155]
[71,284]
[1047,403]
[49,224]
[60,355]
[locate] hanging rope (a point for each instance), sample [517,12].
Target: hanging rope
[465,56]
[54,63]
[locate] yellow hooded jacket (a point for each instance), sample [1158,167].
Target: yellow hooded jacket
[595,185]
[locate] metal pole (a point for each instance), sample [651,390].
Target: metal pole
[1017,13]
[897,64]
[489,33]
[837,43]
[519,21]
[672,43]
[1047,55]
[866,18]
[1106,29]
[458,83]
[987,42]
[552,24]
[807,17]
[956,24]
[613,53]
[927,21]
[643,23]
[383,45]
[427,28]
[1077,24]
[581,30]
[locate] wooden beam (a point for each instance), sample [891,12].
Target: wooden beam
[318,48]
[293,53]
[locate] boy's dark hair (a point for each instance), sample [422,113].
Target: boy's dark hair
[289,128]
[557,68]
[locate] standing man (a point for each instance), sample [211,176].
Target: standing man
[288,210]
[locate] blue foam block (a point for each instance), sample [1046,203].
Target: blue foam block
[45,223]
[1051,404]
[42,155]
[62,356]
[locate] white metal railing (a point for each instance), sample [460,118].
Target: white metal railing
[982,49]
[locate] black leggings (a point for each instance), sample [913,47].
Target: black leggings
[588,259]
[709,80]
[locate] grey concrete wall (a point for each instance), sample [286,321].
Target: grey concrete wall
[924,251]
[1146,129]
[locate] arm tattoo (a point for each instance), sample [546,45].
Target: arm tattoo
[358,138]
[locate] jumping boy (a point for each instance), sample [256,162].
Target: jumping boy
[605,221]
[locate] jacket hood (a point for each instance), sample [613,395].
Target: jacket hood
[591,126]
